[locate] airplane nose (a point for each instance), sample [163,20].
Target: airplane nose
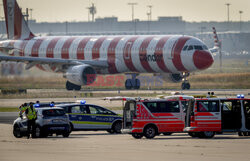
[202,59]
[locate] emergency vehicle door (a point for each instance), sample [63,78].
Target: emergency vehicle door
[246,105]
[207,115]
[129,112]
[231,114]
[189,113]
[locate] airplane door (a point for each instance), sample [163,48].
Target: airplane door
[127,51]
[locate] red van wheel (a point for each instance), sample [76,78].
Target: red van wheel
[207,134]
[150,132]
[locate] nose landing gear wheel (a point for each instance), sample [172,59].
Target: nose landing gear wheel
[185,85]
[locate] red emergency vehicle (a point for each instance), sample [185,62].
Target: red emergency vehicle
[152,117]
[206,116]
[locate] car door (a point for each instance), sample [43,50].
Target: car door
[207,116]
[78,116]
[100,118]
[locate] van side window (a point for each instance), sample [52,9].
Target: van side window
[157,107]
[208,106]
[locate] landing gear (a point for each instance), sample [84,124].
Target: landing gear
[70,86]
[132,83]
[185,84]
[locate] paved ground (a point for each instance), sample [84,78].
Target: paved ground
[101,146]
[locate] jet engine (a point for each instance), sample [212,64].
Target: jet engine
[81,74]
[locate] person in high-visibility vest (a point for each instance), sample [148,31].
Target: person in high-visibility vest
[31,116]
[22,109]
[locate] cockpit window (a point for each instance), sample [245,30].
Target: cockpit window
[205,47]
[197,47]
[185,48]
[190,47]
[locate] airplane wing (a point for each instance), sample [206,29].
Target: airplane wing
[32,61]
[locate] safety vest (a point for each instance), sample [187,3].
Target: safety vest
[31,113]
[23,108]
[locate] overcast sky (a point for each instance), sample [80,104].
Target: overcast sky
[190,10]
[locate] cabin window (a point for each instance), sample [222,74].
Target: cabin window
[197,47]
[190,47]
[185,48]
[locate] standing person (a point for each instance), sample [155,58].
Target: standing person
[22,109]
[31,116]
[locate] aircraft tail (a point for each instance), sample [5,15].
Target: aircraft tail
[16,26]
[217,43]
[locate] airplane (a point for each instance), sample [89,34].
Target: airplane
[81,58]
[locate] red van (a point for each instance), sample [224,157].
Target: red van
[152,117]
[206,116]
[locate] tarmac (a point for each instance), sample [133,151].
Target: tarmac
[101,146]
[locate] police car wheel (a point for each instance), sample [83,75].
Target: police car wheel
[66,134]
[117,127]
[16,131]
[149,132]
[137,136]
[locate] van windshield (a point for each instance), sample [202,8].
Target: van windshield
[53,112]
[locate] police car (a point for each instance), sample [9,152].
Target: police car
[49,120]
[84,116]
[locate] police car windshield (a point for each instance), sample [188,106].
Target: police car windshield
[53,112]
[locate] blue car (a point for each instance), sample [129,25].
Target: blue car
[92,117]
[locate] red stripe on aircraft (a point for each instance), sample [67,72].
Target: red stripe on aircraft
[143,54]
[17,22]
[111,55]
[65,48]
[36,46]
[80,48]
[176,53]
[96,48]
[127,54]
[159,53]
[22,47]
[51,46]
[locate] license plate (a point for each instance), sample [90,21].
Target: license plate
[57,121]
[57,128]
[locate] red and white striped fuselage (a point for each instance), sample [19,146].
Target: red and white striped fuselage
[140,54]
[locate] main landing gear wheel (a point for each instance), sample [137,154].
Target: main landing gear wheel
[70,86]
[185,85]
[133,83]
